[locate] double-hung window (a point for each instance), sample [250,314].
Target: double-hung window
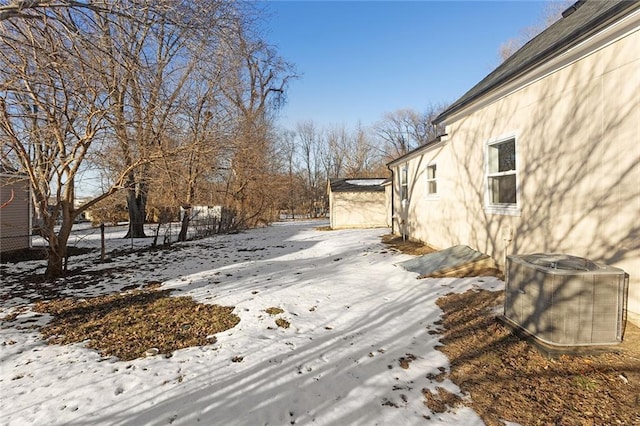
[432,185]
[501,167]
[404,183]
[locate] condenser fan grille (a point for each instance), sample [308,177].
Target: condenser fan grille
[565,300]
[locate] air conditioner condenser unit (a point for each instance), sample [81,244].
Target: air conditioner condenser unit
[564,300]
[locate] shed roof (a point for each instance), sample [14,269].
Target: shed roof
[579,22]
[357,185]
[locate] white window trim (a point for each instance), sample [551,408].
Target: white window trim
[501,209]
[404,181]
[431,195]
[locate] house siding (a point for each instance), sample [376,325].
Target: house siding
[15,216]
[577,132]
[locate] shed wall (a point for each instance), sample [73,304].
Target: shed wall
[15,216]
[358,210]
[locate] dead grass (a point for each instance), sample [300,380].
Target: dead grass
[282,323]
[127,325]
[274,311]
[405,361]
[441,401]
[407,246]
[510,380]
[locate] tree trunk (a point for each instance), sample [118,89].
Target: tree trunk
[186,218]
[137,206]
[55,260]
[57,250]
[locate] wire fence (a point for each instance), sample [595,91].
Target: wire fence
[84,235]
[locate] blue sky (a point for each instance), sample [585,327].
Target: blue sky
[360,59]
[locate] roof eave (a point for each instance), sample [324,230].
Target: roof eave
[439,138]
[554,50]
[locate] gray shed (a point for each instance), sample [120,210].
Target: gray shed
[15,212]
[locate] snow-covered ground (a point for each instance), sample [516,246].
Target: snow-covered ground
[353,312]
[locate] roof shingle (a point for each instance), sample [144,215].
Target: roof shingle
[357,185]
[587,18]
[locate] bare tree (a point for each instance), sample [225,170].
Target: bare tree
[151,60]
[360,156]
[405,129]
[333,151]
[52,113]
[78,80]
[201,133]
[257,82]
[36,9]
[347,153]
[287,153]
[310,142]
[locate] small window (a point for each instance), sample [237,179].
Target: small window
[502,174]
[404,183]
[432,186]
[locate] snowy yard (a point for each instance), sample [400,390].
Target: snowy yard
[354,315]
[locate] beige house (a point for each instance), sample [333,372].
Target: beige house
[15,212]
[358,203]
[543,154]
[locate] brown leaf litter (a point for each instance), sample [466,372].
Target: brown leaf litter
[509,380]
[127,325]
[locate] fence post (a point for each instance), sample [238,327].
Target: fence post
[102,251]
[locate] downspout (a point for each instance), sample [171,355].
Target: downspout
[393,181]
[403,222]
